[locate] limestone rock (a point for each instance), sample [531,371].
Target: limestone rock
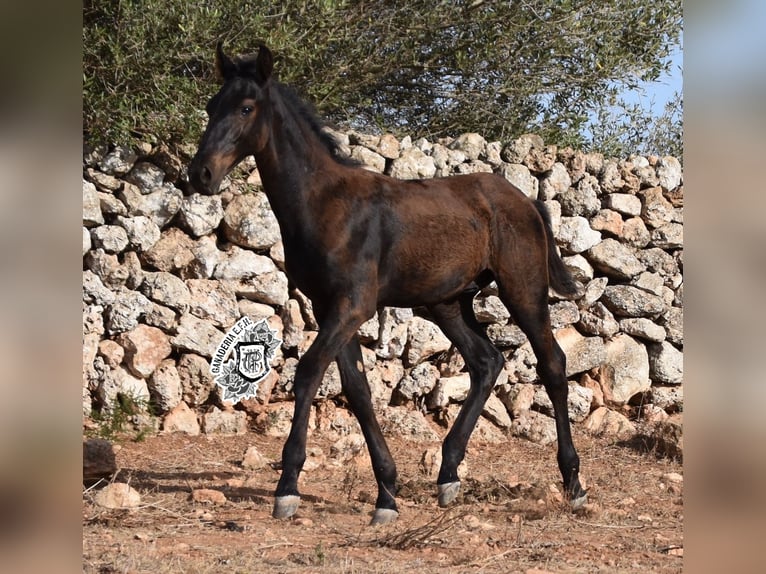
[145,348]
[626,369]
[606,422]
[118,495]
[249,221]
[181,419]
[200,214]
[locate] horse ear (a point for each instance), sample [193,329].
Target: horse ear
[264,64]
[224,66]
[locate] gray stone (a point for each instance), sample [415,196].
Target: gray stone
[224,422]
[579,400]
[656,210]
[181,419]
[624,203]
[197,336]
[556,181]
[415,384]
[368,158]
[666,363]
[161,317]
[517,150]
[634,233]
[91,207]
[606,422]
[471,144]
[598,320]
[449,390]
[671,399]
[118,162]
[490,309]
[583,353]
[94,291]
[145,348]
[124,312]
[563,314]
[206,259]
[213,301]
[165,385]
[625,371]
[172,252]
[146,176]
[119,381]
[534,427]
[86,244]
[161,205]
[98,460]
[506,335]
[668,236]
[494,411]
[166,289]
[239,263]
[249,221]
[615,259]
[405,423]
[197,381]
[643,329]
[593,291]
[581,201]
[424,339]
[200,214]
[413,164]
[629,301]
[669,173]
[576,236]
[673,321]
[111,238]
[520,176]
[610,179]
[269,288]
[142,232]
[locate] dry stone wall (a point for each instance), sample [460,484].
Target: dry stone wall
[165,275]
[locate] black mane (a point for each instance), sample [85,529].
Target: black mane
[307,113]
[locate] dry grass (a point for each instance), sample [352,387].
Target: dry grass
[509,517]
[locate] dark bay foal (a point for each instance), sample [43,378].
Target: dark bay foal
[356,241]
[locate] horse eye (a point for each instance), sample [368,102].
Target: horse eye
[246,110]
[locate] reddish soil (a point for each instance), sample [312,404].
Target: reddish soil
[510,517]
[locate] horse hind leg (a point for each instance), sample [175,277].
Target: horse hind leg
[484,363]
[527,299]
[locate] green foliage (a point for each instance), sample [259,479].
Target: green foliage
[621,129]
[115,421]
[415,67]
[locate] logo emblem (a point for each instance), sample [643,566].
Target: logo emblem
[243,358]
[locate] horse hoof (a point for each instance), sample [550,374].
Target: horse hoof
[286,506]
[579,502]
[448,492]
[383,516]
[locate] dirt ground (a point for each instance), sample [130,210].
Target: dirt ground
[510,517]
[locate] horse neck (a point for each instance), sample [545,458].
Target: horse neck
[289,166]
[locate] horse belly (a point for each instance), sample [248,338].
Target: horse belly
[424,273]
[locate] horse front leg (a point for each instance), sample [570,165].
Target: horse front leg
[357,392]
[334,334]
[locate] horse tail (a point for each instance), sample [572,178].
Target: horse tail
[560,277]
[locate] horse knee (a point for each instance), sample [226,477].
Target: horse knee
[487,369]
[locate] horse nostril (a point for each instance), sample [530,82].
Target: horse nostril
[205,175]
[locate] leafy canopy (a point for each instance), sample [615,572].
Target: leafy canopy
[500,68]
